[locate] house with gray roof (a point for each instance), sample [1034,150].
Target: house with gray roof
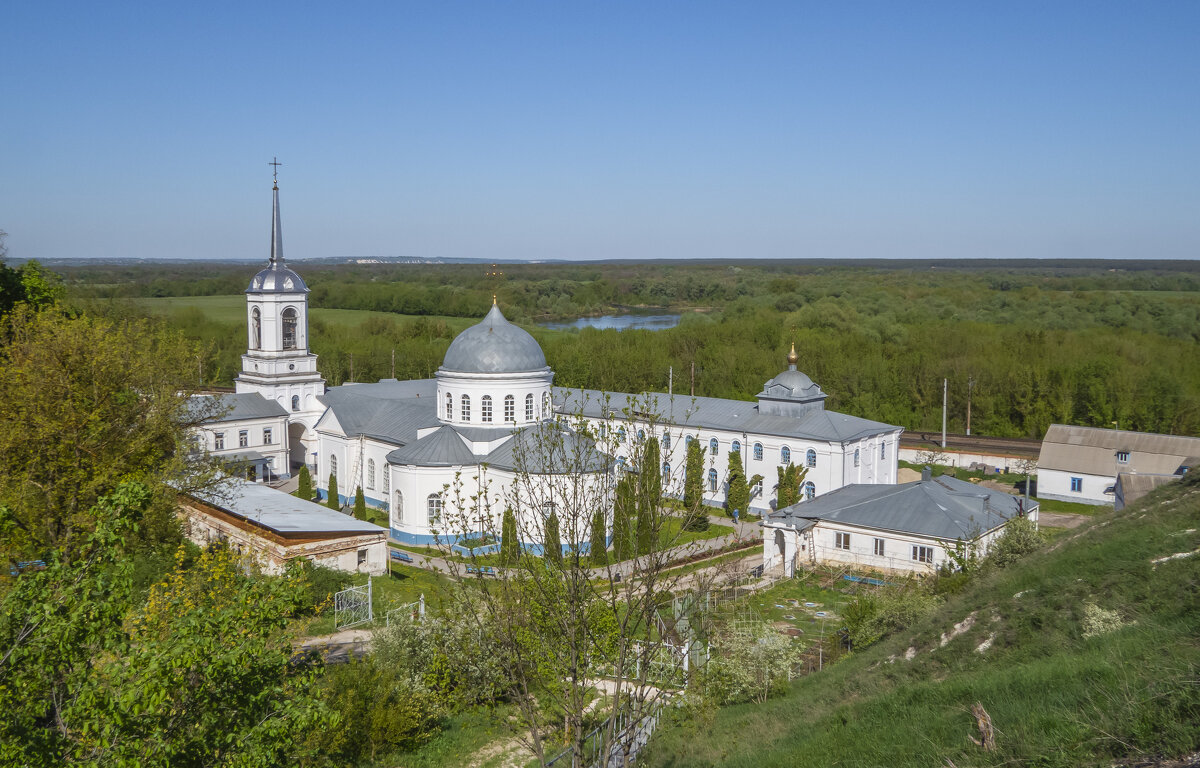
[1082,463]
[246,431]
[909,528]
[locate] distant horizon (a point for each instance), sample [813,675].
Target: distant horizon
[629,131]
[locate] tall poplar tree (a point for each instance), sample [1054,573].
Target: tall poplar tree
[738,495]
[599,540]
[693,489]
[624,512]
[510,545]
[649,497]
[551,543]
[360,504]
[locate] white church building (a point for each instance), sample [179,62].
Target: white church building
[446,456]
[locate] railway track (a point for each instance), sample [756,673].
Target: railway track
[1002,446]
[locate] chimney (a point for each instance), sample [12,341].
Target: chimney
[927,473]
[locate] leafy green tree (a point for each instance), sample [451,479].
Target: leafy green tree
[360,504]
[332,501]
[510,544]
[305,488]
[788,490]
[552,543]
[599,540]
[92,402]
[738,494]
[29,284]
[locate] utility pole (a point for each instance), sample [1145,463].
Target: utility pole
[670,380]
[352,379]
[945,391]
[693,378]
[970,385]
[394,365]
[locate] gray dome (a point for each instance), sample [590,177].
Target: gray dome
[277,278]
[494,346]
[791,385]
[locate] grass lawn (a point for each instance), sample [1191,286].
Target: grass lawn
[404,585]
[460,742]
[671,533]
[1070,507]
[788,598]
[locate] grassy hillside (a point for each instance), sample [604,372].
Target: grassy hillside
[1056,696]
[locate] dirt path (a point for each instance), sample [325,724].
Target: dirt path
[1060,520]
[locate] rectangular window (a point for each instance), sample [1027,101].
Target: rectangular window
[1122,457]
[1077,484]
[879,547]
[219,441]
[243,438]
[841,541]
[362,557]
[922,554]
[268,438]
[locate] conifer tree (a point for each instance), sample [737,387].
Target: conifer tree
[360,504]
[305,489]
[649,497]
[332,501]
[693,489]
[510,546]
[624,510]
[788,491]
[599,550]
[552,544]
[738,495]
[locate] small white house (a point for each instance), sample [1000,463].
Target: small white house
[247,431]
[1082,463]
[274,527]
[907,528]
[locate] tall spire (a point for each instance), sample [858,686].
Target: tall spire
[276,230]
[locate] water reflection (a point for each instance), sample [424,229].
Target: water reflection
[618,322]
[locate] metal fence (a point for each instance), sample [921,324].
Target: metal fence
[353,606]
[631,732]
[409,612]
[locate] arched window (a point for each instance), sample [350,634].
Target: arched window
[255,329]
[810,458]
[713,445]
[621,435]
[398,511]
[758,452]
[485,409]
[371,474]
[857,456]
[712,481]
[621,462]
[545,405]
[510,408]
[548,508]
[449,407]
[736,447]
[882,451]
[464,406]
[666,472]
[333,466]
[529,407]
[602,431]
[641,435]
[289,328]
[785,455]
[810,491]
[434,506]
[387,483]
[688,441]
[666,441]
[295,402]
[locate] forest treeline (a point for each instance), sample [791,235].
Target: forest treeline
[1041,345]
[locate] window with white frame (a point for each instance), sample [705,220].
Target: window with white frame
[529,407]
[756,489]
[758,452]
[621,435]
[666,441]
[485,409]
[433,506]
[785,455]
[666,472]
[549,508]
[713,446]
[387,483]
[736,446]
[810,458]
[545,405]
[371,474]
[510,408]
[641,435]
[1077,484]
[810,491]
[449,406]
[922,554]
[295,402]
[398,510]
[712,481]
[243,438]
[882,451]
[219,441]
[841,540]
[464,407]
[879,548]
[268,436]
[857,455]
[333,467]
[1122,457]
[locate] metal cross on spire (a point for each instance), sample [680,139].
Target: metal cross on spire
[275,171]
[497,277]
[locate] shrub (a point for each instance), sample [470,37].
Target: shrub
[873,616]
[1020,537]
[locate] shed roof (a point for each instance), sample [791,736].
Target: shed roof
[241,406]
[1093,451]
[281,512]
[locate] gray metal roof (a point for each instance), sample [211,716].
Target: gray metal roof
[441,448]
[277,277]
[391,411]
[216,409]
[792,385]
[494,346]
[282,512]
[549,448]
[718,413]
[942,508]
[1093,451]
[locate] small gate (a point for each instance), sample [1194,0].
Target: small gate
[353,606]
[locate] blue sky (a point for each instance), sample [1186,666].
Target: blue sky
[581,130]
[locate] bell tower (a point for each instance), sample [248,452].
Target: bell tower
[277,363]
